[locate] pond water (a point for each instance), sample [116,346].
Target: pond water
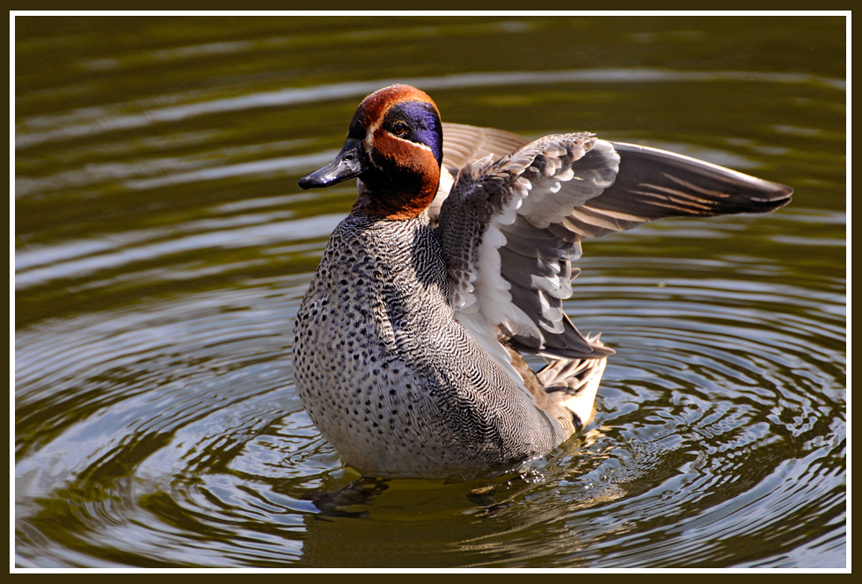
[162,247]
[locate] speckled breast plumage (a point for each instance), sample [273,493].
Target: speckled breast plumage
[390,377]
[454,262]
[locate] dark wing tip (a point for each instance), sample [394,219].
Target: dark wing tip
[570,344]
[775,196]
[654,183]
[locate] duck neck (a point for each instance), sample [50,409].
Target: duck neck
[394,202]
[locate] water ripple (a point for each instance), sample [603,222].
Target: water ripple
[162,250]
[79,124]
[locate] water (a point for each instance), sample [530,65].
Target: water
[162,248]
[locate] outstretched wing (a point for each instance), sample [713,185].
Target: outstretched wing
[653,184]
[463,145]
[512,225]
[510,272]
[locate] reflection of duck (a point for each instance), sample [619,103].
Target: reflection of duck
[409,339]
[419,523]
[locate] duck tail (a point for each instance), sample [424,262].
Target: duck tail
[575,382]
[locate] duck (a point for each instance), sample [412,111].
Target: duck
[451,269]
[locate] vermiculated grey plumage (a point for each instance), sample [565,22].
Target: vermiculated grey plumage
[399,385]
[408,342]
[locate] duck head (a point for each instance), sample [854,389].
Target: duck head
[394,147]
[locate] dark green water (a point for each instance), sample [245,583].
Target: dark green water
[162,247]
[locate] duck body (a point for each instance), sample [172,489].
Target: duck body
[409,341]
[389,375]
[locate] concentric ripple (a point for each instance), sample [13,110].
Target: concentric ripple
[719,424]
[162,250]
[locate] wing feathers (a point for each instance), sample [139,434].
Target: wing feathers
[517,211]
[463,144]
[507,267]
[654,184]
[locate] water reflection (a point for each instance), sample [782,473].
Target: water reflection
[92,121]
[162,248]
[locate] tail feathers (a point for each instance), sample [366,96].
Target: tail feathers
[575,383]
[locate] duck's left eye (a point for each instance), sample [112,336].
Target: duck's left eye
[399,128]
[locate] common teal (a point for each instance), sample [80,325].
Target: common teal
[454,261]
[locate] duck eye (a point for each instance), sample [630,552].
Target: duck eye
[399,128]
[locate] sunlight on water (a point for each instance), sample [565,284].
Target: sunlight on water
[163,247]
